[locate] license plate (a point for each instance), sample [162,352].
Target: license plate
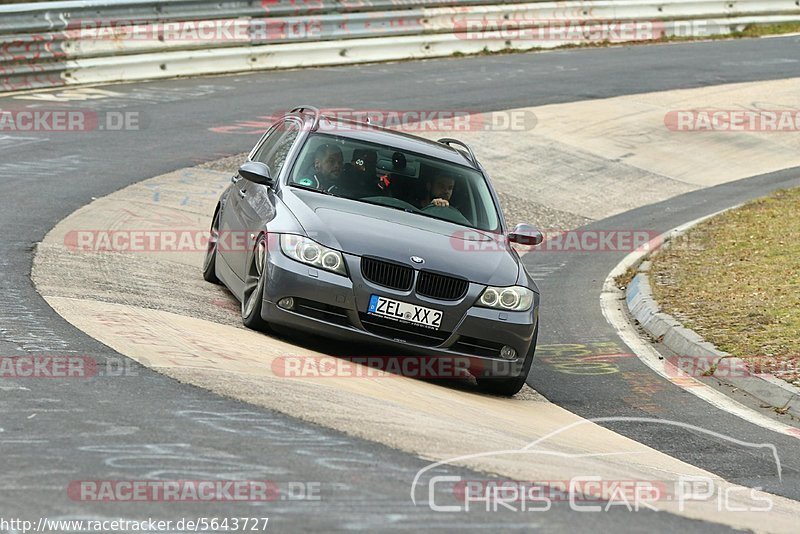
[404,312]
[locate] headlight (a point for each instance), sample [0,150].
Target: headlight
[514,298]
[310,252]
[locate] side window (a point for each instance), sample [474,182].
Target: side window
[269,143]
[277,158]
[276,147]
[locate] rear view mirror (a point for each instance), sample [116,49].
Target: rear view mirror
[256,172]
[525,234]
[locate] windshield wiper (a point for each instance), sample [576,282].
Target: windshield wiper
[428,215]
[310,188]
[401,208]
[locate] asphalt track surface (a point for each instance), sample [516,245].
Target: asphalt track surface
[148,426]
[625,386]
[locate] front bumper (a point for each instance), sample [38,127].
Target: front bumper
[335,306]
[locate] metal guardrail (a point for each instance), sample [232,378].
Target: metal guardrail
[37,39]
[56,16]
[62,43]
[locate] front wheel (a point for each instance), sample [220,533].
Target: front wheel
[504,387]
[508,386]
[255,279]
[210,260]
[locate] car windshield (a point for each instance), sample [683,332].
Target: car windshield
[384,175]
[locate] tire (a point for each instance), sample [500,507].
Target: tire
[502,387]
[210,260]
[253,295]
[510,386]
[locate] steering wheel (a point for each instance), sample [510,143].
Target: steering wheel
[448,213]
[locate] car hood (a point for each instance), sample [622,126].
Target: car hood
[369,230]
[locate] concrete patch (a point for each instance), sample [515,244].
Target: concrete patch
[632,130]
[434,422]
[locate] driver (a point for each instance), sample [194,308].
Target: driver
[438,191]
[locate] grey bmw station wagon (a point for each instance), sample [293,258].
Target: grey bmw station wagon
[356,232]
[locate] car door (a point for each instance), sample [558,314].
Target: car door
[233,241]
[256,203]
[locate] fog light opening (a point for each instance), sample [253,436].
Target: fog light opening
[508,353]
[286,303]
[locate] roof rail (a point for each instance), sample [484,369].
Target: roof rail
[314,111]
[471,158]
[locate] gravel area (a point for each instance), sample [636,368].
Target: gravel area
[227,164]
[521,210]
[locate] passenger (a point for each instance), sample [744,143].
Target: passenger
[328,165]
[438,191]
[361,175]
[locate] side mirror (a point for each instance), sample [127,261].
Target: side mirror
[256,172]
[525,234]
